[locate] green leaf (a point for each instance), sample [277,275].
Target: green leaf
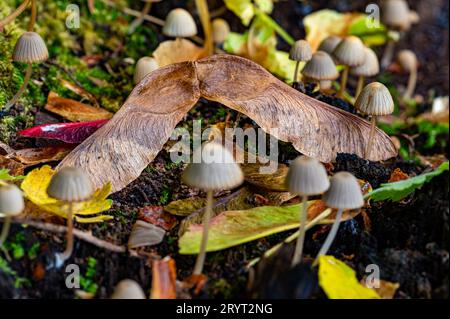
[244,9]
[370,34]
[399,190]
[4,176]
[264,5]
[339,281]
[236,43]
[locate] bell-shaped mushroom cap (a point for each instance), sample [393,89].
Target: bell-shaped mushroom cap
[413,17]
[395,14]
[370,67]
[320,67]
[30,48]
[144,66]
[301,51]
[329,44]
[213,168]
[307,176]
[407,60]
[221,29]
[344,192]
[375,99]
[180,24]
[350,51]
[128,289]
[70,184]
[11,200]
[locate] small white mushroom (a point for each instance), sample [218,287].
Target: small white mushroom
[144,66]
[11,204]
[320,68]
[300,52]
[128,289]
[408,62]
[370,67]
[179,24]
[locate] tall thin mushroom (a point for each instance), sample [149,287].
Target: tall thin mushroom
[300,52]
[213,169]
[370,67]
[408,62]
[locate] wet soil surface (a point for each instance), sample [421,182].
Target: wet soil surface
[407,240]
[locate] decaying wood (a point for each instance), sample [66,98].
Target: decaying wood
[122,148]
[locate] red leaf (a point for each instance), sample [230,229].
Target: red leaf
[66,132]
[157,216]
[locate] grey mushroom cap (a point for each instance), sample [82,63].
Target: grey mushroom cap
[128,289]
[144,66]
[375,99]
[301,51]
[407,60]
[350,51]
[307,176]
[221,29]
[180,24]
[213,168]
[30,48]
[329,44]
[320,67]
[370,67]
[396,14]
[344,192]
[11,200]
[70,184]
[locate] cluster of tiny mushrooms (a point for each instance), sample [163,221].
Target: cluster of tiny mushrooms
[218,170]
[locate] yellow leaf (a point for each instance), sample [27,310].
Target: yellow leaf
[244,9]
[339,281]
[35,186]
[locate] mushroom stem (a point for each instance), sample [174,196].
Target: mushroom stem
[344,78]
[22,88]
[69,245]
[198,268]
[388,54]
[203,12]
[138,21]
[301,237]
[15,14]
[411,85]
[360,86]
[330,238]
[33,15]
[5,230]
[373,123]
[296,72]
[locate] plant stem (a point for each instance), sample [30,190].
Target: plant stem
[360,86]
[344,78]
[301,237]
[388,54]
[33,15]
[296,71]
[273,24]
[5,230]
[22,88]
[69,245]
[411,85]
[203,12]
[330,238]
[14,14]
[138,21]
[198,268]
[373,123]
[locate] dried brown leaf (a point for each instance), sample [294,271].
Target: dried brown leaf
[15,168]
[138,131]
[164,279]
[178,50]
[39,155]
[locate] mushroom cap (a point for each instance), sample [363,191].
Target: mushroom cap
[370,67]
[216,170]
[344,192]
[301,51]
[307,176]
[407,60]
[325,84]
[180,24]
[144,66]
[329,44]
[350,51]
[128,289]
[320,67]
[70,184]
[413,17]
[375,99]
[30,48]
[11,200]
[221,29]
[395,14]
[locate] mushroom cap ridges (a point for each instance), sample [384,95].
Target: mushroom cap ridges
[370,67]
[375,99]
[301,51]
[30,48]
[320,67]
[329,44]
[307,176]
[70,184]
[344,192]
[215,170]
[350,51]
[11,200]
[128,289]
[179,23]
